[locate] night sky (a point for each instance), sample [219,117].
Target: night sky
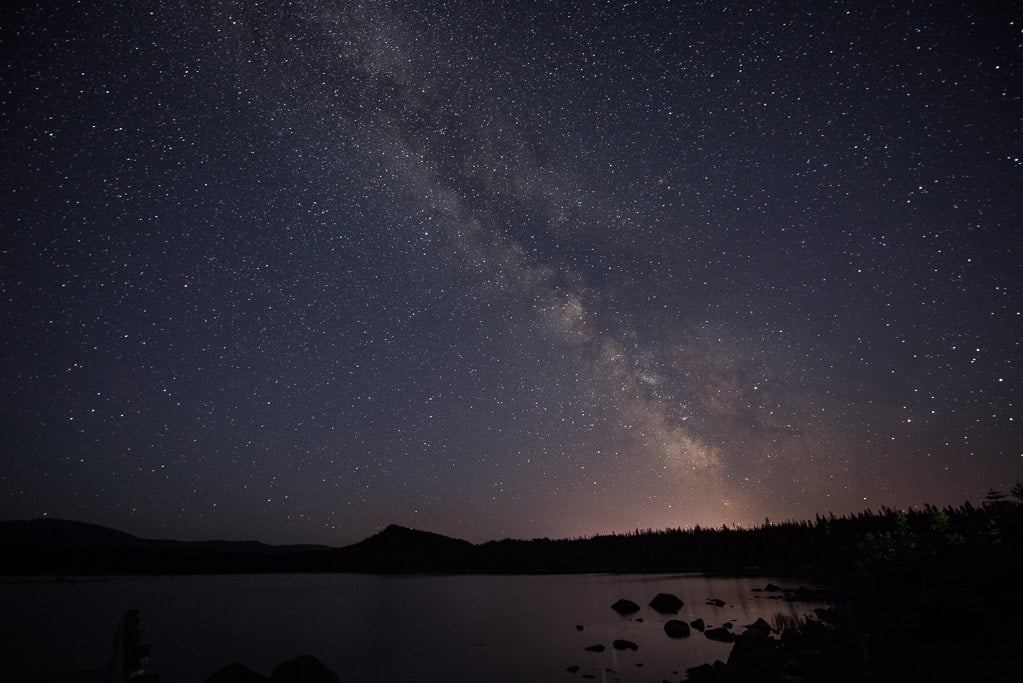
[295,271]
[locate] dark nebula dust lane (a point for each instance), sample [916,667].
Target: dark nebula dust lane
[297,271]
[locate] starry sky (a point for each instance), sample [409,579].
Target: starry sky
[294,271]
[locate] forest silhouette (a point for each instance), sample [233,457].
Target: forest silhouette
[922,594]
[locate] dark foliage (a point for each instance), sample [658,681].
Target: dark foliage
[864,546]
[917,593]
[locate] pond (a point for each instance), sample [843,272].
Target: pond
[382,628]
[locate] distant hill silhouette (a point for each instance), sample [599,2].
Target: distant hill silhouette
[65,533]
[61,546]
[828,546]
[399,539]
[400,549]
[62,533]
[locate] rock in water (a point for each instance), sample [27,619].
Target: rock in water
[624,606]
[666,603]
[595,648]
[697,624]
[707,672]
[625,645]
[303,669]
[722,635]
[754,652]
[676,629]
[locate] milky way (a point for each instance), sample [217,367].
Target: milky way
[295,271]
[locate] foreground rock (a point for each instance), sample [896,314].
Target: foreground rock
[625,607]
[666,603]
[809,652]
[677,629]
[706,672]
[720,634]
[302,669]
[754,650]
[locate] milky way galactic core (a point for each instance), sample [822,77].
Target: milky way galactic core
[294,271]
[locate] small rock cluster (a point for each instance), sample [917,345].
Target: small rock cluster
[756,654]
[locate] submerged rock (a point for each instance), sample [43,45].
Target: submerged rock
[677,629]
[716,602]
[666,603]
[625,645]
[624,606]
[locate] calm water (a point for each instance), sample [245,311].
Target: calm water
[379,628]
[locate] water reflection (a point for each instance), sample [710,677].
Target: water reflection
[389,628]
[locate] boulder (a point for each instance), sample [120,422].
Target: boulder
[236,673]
[754,650]
[698,624]
[704,672]
[760,625]
[722,635]
[624,606]
[666,603]
[676,629]
[625,645]
[303,669]
[707,672]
